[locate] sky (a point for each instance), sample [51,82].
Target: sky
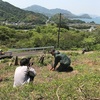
[91,7]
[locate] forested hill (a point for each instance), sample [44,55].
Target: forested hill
[48,12]
[51,12]
[11,13]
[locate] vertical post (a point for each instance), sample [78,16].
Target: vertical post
[59,29]
[16,60]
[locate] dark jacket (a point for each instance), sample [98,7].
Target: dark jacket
[62,58]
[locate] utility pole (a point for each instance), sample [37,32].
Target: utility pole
[59,29]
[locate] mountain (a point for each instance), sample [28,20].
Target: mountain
[39,9]
[94,16]
[10,13]
[84,16]
[52,12]
[47,12]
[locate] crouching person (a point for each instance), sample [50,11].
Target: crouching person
[24,73]
[64,61]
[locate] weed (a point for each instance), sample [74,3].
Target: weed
[81,84]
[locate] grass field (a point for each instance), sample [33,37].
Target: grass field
[83,83]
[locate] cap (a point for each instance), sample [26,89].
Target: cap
[52,50]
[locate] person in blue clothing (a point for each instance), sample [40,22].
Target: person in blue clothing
[64,61]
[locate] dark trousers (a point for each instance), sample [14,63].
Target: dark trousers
[64,68]
[31,78]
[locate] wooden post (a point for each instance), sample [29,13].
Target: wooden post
[16,60]
[41,60]
[59,29]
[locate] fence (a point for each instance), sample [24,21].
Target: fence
[31,49]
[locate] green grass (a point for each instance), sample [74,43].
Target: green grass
[81,84]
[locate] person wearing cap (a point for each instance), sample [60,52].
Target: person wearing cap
[24,73]
[63,59]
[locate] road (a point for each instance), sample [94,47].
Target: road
[21,54]
[27,53]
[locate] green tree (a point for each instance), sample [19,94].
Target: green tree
[89,42]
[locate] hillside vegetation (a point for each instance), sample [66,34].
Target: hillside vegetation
[47,35]
[12,14]
[83,83]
